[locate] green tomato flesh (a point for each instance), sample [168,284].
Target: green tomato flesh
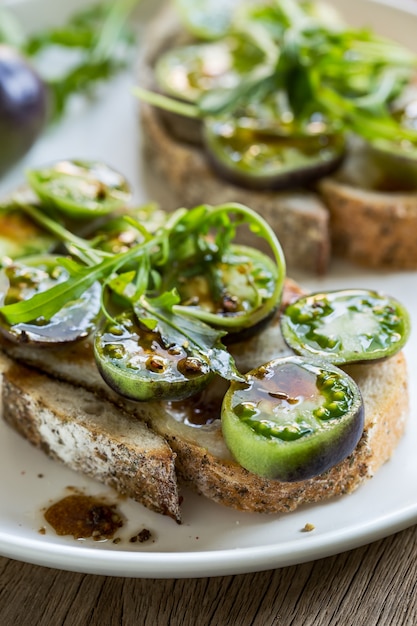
[265,160]
[80,189]
[293,419]
[187,72]
[346,326]
[233,287]
[136,364]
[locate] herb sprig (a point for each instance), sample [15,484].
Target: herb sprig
[348,78]
[136,275]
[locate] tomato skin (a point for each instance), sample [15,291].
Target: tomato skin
[80,189]
[297,443]
[134,362]
[23,106]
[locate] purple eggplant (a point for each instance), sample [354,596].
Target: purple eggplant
[23,106]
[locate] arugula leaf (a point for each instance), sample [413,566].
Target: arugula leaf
[50,301]
[201,233]
[47,303]
[201,339]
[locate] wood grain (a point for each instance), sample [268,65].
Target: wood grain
[373,585]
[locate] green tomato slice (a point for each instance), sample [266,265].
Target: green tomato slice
[80,189]
[268,160]
[346,326]
[292,419]
[187,72]
[23,279]
[395,159]
[395,165]
[136,363]
[229,288]
[206,20]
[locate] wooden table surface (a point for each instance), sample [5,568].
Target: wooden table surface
[372,585]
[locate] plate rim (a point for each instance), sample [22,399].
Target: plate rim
[216,562]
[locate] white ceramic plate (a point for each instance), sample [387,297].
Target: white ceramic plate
[212,540]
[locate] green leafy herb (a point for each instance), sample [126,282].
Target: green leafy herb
[139,277]
[308,68]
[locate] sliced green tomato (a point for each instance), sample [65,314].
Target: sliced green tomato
[136,364]
[187,72]
[263,160]
[26,278]
[230,288]
[80,189]
[346,326]
[293,419]
[207,20]
[120,232]
[395,161]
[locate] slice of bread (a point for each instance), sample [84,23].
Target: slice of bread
[91,435]
[203,461]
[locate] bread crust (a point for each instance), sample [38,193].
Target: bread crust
[92,436]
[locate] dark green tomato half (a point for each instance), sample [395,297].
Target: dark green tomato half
[80,189]
[134,362]
[262,160]
[346,326]
[75,320]
[395,167]
[187,72]
[293,419]
[228,288]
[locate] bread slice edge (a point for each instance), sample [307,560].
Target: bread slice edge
[90,435]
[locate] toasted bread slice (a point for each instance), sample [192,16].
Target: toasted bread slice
[91,435]
[203,461]
[360,217]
